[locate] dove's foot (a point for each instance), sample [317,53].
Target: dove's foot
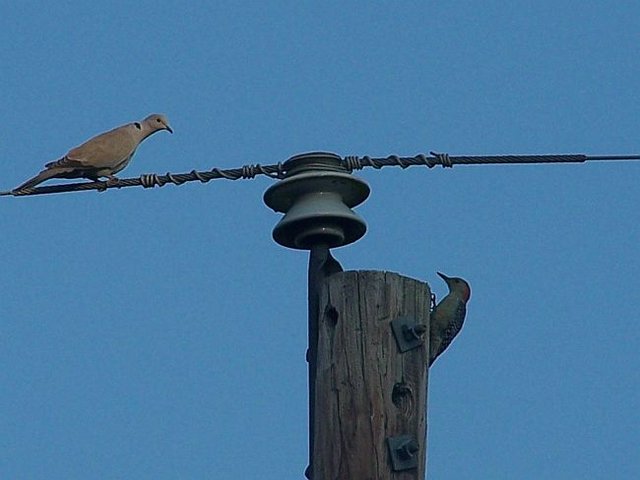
[111,180]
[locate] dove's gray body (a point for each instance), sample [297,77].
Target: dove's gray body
[103,155]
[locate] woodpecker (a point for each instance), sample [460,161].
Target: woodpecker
[447,316]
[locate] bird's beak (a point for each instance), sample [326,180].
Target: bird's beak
[444,277]
[167,127]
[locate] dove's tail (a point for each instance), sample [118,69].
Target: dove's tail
[41,177]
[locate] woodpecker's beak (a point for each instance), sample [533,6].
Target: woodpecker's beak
[443,276]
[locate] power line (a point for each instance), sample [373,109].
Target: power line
[281,170]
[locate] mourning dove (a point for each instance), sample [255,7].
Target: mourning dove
[103,155]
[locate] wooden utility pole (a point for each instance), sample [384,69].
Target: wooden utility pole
[369,415]
[368,334]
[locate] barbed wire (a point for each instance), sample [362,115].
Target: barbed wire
[279,170]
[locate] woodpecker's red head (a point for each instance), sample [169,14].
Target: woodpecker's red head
[457,286]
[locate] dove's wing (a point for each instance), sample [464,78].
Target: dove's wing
[106,151]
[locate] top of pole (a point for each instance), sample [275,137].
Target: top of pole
[317,195]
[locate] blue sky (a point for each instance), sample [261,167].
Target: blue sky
[161,333]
